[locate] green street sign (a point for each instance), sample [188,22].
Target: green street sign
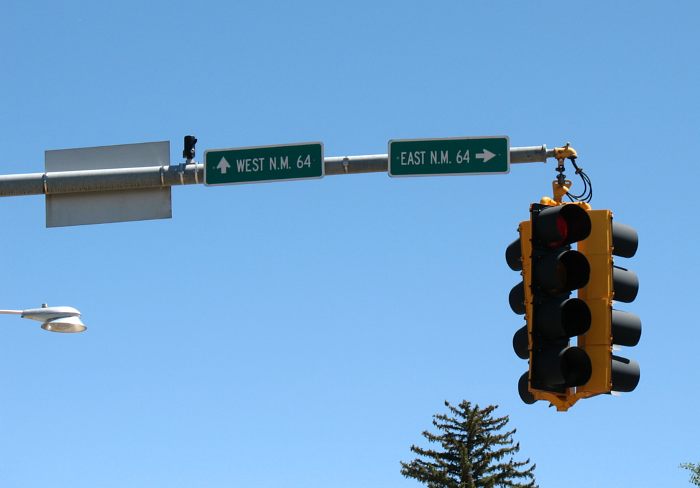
[264,163]
[453,156]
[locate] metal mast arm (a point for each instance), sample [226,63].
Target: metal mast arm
[53,183]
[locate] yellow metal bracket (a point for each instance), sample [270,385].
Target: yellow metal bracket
[561,186]
[559,191]
[566,152]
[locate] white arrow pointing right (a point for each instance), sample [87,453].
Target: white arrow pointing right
[223,166]
[485,156]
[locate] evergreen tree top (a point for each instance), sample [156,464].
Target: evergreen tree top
[473,452]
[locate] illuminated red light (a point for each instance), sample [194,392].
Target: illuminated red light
[563,230]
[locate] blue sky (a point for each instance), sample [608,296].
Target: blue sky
[302,334]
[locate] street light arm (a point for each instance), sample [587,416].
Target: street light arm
[55,319]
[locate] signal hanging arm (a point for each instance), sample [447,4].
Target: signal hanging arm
[561,186]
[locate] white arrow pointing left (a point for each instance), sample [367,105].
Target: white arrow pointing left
[485,156]
[223,166]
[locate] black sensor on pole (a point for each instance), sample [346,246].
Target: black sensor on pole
[188,152]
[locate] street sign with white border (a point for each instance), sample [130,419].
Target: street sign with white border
[299,161]
[449,156]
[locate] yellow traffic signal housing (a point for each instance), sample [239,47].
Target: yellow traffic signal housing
[598,295]
[609,327]
[518,256]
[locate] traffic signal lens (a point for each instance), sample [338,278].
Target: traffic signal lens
[578,223]
[576,366]
[563,272]
[524,391]
[561,225]
[565,367]
[520,343]
[625,284]
[576,317]
[625,240]
[625,374]
[516,299]
[563,318]
[626,328]
[513,256]
[576,270]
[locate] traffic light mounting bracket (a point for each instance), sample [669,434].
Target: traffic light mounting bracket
[566,152]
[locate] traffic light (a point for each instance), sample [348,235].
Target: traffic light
[557,270]
[551,270]
[609,327]
[189,144]
[519,294]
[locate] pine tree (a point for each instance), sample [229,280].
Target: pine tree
[694,472]
[474,454]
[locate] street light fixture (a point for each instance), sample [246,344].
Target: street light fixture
[55,319]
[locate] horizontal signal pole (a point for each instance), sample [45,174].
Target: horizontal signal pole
[98,180]
[377,163]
